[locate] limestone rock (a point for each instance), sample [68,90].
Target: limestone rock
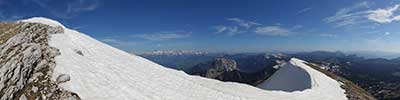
[63,78]
[27,63]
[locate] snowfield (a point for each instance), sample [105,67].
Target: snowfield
[100,72]
[289,78]
[299,77]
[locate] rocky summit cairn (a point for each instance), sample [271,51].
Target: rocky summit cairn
[27,63]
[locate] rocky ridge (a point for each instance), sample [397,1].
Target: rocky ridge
[215,68]
[27,63]
[225,69]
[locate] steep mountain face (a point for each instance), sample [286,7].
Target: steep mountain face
[215,68]
[38,63]
[27,63]
[228,69]
[252,63]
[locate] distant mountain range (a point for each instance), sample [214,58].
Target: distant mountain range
[379,76]
[225,69]
[174,53]
[375,54]
[180,60]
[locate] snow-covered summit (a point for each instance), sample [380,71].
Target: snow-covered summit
[100,72]
[44,20]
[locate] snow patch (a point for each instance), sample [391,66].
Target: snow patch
[289,78]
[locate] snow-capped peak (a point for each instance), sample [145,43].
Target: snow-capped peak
[297,76]
[44,20]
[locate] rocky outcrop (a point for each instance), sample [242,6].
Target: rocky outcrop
[27,63]
[224,69]
[215,68]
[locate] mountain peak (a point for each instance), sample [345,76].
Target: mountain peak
[215,68]
[226,64]
[44,20]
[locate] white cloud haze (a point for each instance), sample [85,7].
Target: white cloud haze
[384,15]
[68,9]
[273,31]
[360,14]
[349,16]
[167,35]
[244,26]
[304,10]
[243,23]
[239,26]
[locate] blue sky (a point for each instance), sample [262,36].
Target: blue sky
[224,25]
